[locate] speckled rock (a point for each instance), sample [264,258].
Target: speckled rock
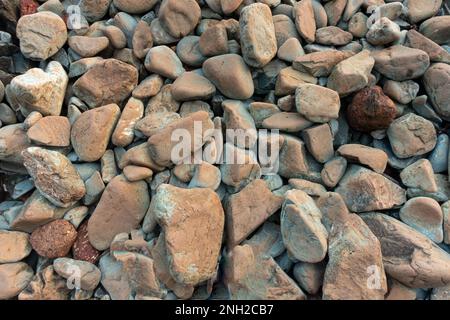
[54,239]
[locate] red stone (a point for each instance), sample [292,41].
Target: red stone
[82,248]
[54,239]
[28,7]
[371,110]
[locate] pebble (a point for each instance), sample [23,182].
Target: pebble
[92,130]
[135,173]
[334,10]
[304,235]
[230,75]
[289,79]
[284,28]
[108,81]
[304,20]
[403,92]
[115,36]
[364,190]
[436,81]
[333,171]
[411,135]
[188,50]
[41,35]
[382,32]
[419,10]
[82,248]
[436,29]
[205,176]
[179,19]
[192,86]
[76,215]
[371,110]
[94,188]
[88,46]
[320,64]
[351,74]
[401,63]
[333,36]
[373,158]
[419,175]
[39,90]
[121,208]
[163,61]
[14,277]
[425,215]
[436,53]
[46,285]
[439,156]
[316,103]
[309,276]
[248,209]
[357,25]
[14,246]
[319,142]
[236,117]
[123,133]
[52,131]
[135,7]
[54,239]
[290,50]
[411,249]
[257,33]
[89,275]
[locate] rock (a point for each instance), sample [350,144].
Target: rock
[286,121]
[205,176]
[436,81]
[108,81]
[383,32]
[214,41]
[190,264]
[241,130]
[441,293]
[135,173]
[374,158]
[154,122]
[230,75]
[161,145]
[115,36]
[436,53]
[248,209]
[14,246]
[257,33]
[229,6]
[319,141]
[409,256]
[289,79]
[284,28]
[41,91]
[43,165]
[439,156]
[121,208]
[94,188]
[357,25]
[179,19]
[317,110]
[87,274]
[424,215]
[123,134]
[94,10]
[334,10]
[333,171]
[41,35]
[371,110]
[304,19]
[267,240]
[52,131]
[163,61]
[82,249]
[436,29]
[290,50]
[303,233]
[411,135]
[292,159]
[46,285]
[188,50]
[54,239]
[403,92]
[114,279]
[320,64]
[333,36]
[88,46]
[351,74]
[192,86]
[76,215]
[355,268]
[419,10]
[80,67]
[252,276]
[92,130]
[14,277]
[139,156]
[364,190]
[419,175]
[309,276]
[2,91]
[446,218]
[163,101]
[149,87]
[401,63]
[135,7]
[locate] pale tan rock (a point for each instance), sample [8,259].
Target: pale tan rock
[139,156]
[316,103]
[333,36]
[89,274]
[14,246]
[375,159]
[135,173]
[289,79]
[398,291]
[149,87]
[409,256]
[415,39]
[419,175]
[155,122]
[88,46]
[333,171]
[192,86]
[255,276]
[13,140]
[355,255]
[311,188]
[121,208]
[46,285]
[290,50]
[193,236]
[14,277]
[334,10]
[52,131]
[419,10]
[92,130]
[163,61]
[437,84]
[319,142]
[304,19]
[123,134]
[309,276]
[43,165]
[248,209]
[286,121]
[333,208]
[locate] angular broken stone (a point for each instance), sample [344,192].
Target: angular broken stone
[364,190]
[121,208]
[409,256]
[319,142]
[46,285]
[320,64]
[92,130]
[419,175]
[254,276]
[303,233]
[202,225]
[354,254]
[39,90]
[248,209]
[374,158]
[43,165]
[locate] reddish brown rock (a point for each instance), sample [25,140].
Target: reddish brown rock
[52,131]
[248,209]
[304,19]
[371,110]
[54,239]
[28,7]
[82,249]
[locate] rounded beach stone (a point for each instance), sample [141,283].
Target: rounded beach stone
[54,239]
[179,18]
[163,61]
[135,7]
[14,277]
[14,246]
